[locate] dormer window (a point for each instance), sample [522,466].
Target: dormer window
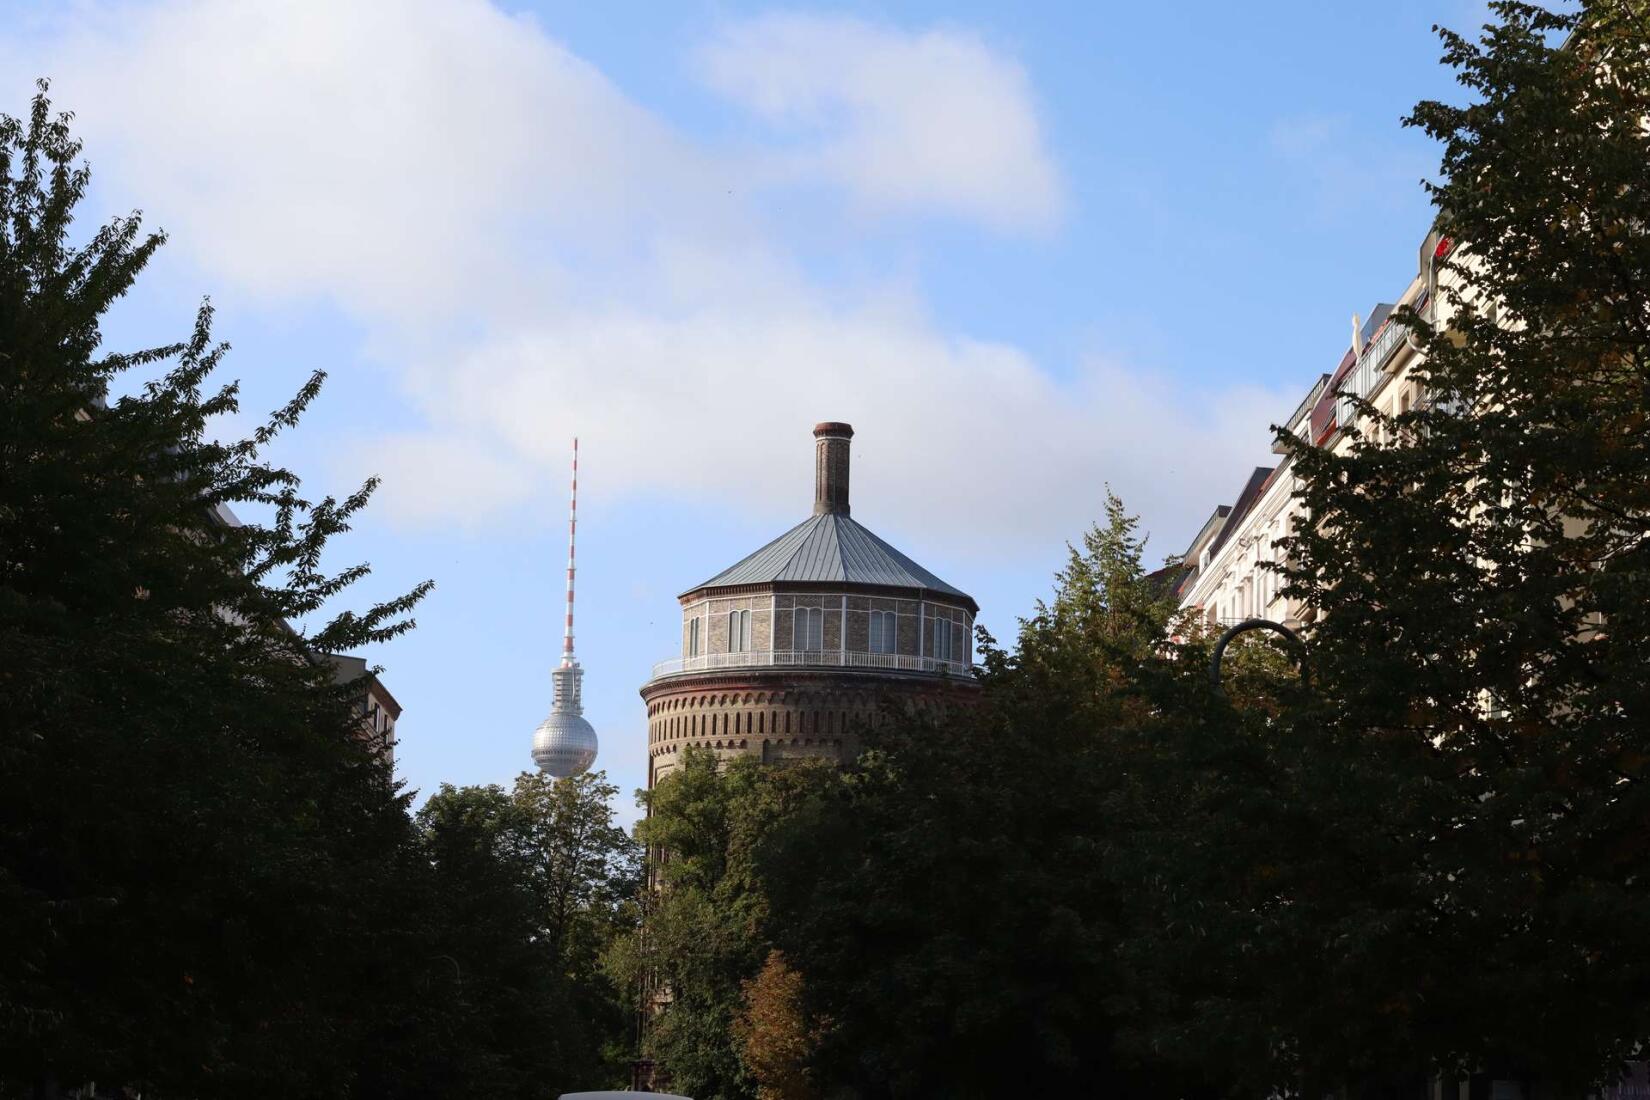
[884,632]
[808,630]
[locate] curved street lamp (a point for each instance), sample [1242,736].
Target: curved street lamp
[1246,625]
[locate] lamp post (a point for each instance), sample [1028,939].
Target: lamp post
[1246,625]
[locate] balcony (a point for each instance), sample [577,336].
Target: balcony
[798,658]
[1362,380]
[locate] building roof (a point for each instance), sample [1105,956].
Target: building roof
[832,548]
[1189,563]
[1206,534]
[347,670]
[1240,507]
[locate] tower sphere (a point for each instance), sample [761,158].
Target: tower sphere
[564,745]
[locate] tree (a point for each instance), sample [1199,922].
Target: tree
[953,901]
[583,869]
[776,1036]
[1483,656]
[198,857]
[585,876]
[529,889]
[707,930]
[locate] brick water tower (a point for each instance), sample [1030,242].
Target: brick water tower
[793,650]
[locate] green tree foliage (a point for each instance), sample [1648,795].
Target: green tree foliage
[195,849]
[1477,753]
[952,901]
[707,931]
[209,883]
[972,908]
[530,888]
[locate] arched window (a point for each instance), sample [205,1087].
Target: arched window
[808,629]
[942,639]
[739,631]
[693,637]
[884,632]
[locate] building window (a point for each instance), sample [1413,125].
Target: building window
[739,631]
[942,639]
[693,637]
[808,629]
[884,632]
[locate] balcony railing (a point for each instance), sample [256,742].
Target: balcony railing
[1363,378]
[819,658]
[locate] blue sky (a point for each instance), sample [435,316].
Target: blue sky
[1026,250]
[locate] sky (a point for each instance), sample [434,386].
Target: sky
[1028,251]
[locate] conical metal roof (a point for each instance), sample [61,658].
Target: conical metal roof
[832,548]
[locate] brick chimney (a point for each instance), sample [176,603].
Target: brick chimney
[831,441]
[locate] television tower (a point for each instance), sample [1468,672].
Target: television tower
[565,744]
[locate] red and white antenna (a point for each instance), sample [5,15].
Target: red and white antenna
[572,532]
[565,744]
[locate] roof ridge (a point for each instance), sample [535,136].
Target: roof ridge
[802,543]
[914,570]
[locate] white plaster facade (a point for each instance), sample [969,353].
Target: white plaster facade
[1227,576]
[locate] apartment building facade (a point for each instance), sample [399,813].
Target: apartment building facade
[1230,571]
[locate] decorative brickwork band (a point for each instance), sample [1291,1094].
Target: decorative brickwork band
[831,468]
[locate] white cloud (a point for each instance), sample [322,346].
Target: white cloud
[539,257]
[438,479]
[972,440]
[934,119]
[391,154]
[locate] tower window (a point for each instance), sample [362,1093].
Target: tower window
[808,629]
[693,637]
[884,632]
[942,639]
[739,631]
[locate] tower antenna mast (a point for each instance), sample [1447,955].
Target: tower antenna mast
[572,534]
